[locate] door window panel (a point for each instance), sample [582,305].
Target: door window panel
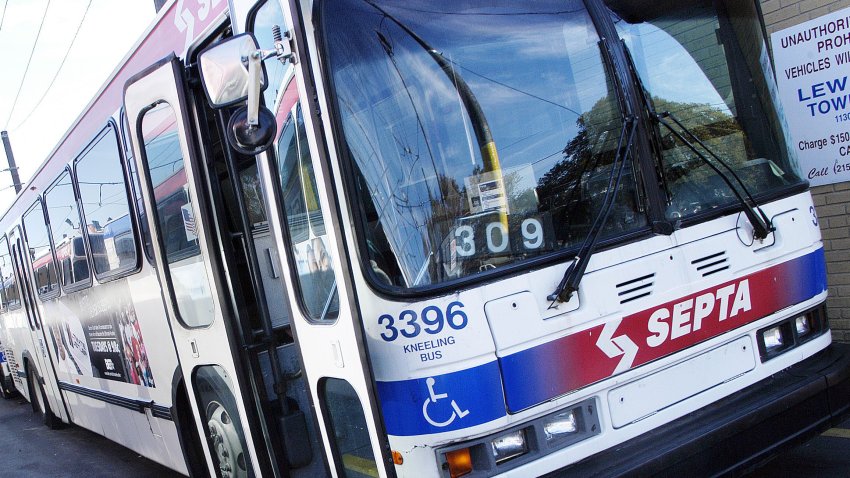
[350,435]
[103,193]
[267,16]
[40,253]
[307,234]
[67,235]
[175,216]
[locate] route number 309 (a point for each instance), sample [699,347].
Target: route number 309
[497,237]
[432,320]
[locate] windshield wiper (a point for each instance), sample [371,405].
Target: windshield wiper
[762,226]
[570,282]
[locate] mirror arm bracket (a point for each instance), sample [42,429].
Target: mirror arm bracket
[255,65]
[284,46]
[283,52]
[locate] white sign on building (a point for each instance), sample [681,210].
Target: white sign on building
[812,69]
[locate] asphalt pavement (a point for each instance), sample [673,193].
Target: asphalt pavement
[30,449]
[827,456]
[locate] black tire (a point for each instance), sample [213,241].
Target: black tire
[7,387]
[5,390]
[38,400]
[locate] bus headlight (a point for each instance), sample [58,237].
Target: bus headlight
[560,425]
[773,339]
[802,325]
[510,445]
[506,450]
[780,337]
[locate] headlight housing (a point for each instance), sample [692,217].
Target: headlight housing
[508,449]
[782,336]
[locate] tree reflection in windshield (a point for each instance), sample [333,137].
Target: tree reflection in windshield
[436,206]
[715,48]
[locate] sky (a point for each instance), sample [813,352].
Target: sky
[108,31]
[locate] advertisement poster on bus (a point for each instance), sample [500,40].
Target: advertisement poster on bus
[108,343]
[812,68]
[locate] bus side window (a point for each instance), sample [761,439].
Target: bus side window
[106,207]
[40,252]
[136,189]
[5,264]
[307,235]
[67,234]
[11,299]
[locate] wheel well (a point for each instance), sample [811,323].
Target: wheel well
[27,376]
[190,439]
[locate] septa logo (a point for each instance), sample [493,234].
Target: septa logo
[617,346]
[688,315]
[658,331]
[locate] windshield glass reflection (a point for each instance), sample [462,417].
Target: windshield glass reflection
[717,50]
[471,148]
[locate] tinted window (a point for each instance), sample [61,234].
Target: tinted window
[103,193]
[175,215]
[41,256]
[67,234]
[10,297]
[350,434]
[308,241]
[136,189]
[168,178]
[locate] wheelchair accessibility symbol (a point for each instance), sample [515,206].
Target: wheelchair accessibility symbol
[433,398]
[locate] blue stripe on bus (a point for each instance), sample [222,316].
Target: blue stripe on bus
[443,403]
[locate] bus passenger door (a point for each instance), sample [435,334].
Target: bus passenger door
[42,364]
[169,174]
[335,366]
[302,215]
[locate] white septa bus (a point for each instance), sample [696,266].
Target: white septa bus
[377,238]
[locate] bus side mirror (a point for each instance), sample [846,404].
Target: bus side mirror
[224,70]
[232,72]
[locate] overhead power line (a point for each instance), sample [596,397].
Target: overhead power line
[26,70]
[5,7]
[53,80]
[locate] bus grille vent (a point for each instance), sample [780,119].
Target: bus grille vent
[711,264]
[636,288]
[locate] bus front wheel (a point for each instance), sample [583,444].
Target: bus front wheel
[225,442]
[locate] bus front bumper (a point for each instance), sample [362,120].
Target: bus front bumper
[740,432]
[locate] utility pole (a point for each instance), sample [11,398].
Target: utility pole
[13,168]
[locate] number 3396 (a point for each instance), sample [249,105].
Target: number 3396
[431,320]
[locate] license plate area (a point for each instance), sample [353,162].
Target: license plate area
[651,394]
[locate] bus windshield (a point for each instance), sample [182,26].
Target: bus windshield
[717,49]
[482,134]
